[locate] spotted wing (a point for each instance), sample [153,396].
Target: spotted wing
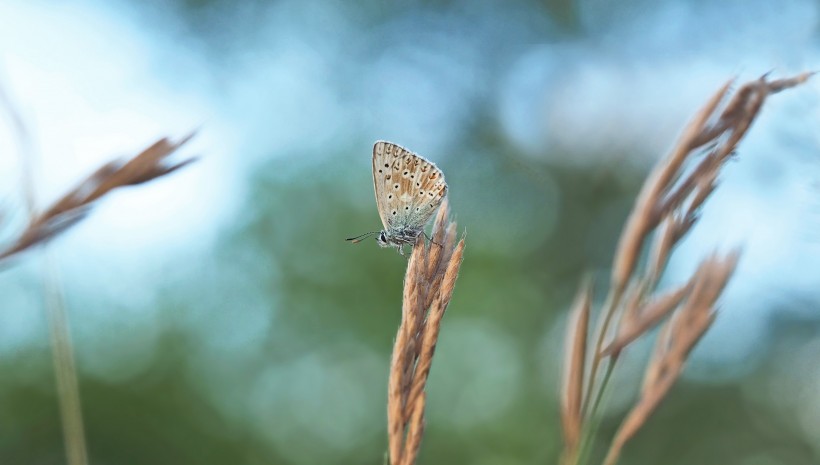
[408,187]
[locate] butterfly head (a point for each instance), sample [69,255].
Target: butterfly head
[382,239]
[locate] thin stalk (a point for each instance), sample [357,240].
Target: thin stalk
[610,368]
[610,308]
[64,368]
[588,436]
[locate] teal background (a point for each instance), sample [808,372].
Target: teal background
[225,320]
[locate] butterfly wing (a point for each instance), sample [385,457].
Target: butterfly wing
[408,187]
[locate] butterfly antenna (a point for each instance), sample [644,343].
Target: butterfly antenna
[361,237]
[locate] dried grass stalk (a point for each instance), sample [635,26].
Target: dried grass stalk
[428,287]
[574,369]
[75,205]
[648,316]
[66,212]
[665,210]
[678,339]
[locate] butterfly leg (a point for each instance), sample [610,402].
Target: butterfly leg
[431,239]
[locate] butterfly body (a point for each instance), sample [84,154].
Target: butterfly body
[398,239]
[409,189]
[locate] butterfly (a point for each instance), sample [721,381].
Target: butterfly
[409,188]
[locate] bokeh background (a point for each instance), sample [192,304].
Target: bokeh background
[218,316]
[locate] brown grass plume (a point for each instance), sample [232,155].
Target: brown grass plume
[428,287]
[666,208]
